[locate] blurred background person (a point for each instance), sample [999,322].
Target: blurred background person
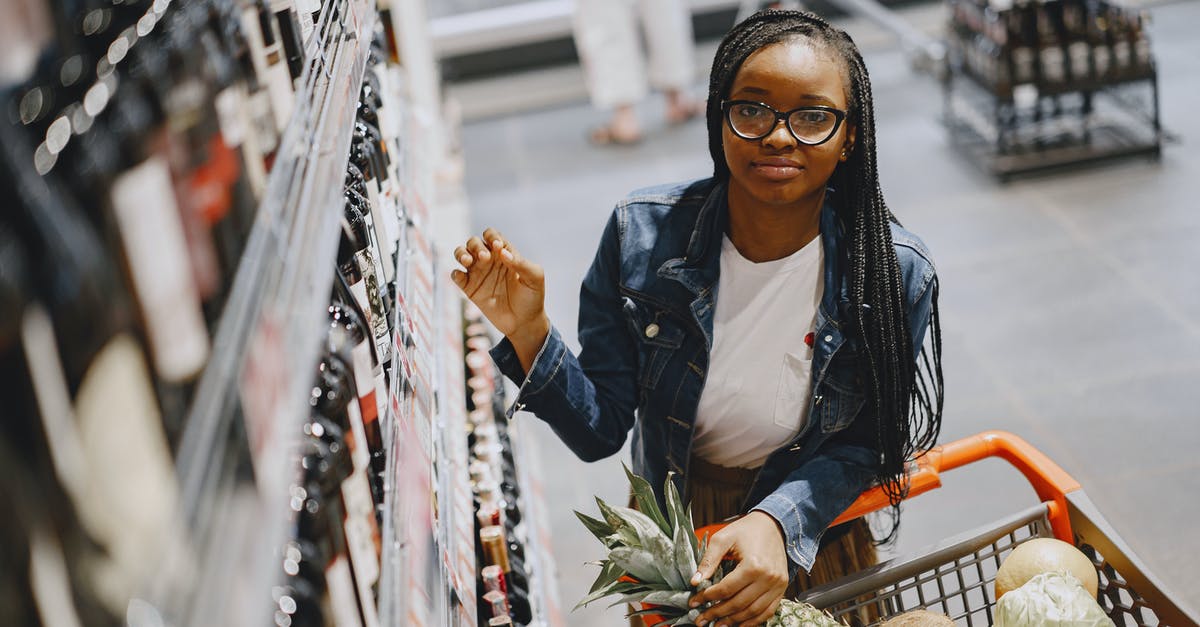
[619,74]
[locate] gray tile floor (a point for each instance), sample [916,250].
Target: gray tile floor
[1071,304]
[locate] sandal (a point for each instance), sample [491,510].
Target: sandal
[683,114]
[605,136]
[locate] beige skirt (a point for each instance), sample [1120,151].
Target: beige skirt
[717,494]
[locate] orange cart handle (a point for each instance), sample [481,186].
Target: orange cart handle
[1048,479]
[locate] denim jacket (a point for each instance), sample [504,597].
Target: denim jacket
[646,328]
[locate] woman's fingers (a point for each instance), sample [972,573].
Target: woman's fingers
[731,599]
[718,545]
[491,236]
[478,249]
[757,607]
[727,587]
[529,273]
[463,257]
[723,612]
[766,614]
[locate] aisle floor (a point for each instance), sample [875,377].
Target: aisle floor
[1070,304]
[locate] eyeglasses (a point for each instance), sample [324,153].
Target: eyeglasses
[809,125]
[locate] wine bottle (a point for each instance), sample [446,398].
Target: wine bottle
[291,35]
[1099,40]
[92,385]
[1022,30]
[363,255]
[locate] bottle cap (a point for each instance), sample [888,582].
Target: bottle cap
[486,432]
[489,514]
[480,416]
[495,552]
[499,602]
[493,579]
[480,472]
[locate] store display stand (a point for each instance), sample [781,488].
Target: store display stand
[1029,98]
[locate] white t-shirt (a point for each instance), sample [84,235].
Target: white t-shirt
[756,395]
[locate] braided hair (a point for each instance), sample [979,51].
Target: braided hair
[904,396]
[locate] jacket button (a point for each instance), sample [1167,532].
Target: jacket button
[652,330]
[828,338]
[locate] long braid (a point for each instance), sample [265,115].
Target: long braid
[904,395]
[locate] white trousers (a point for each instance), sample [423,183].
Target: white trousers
[608,42]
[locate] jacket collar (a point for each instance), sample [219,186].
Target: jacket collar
[700,267]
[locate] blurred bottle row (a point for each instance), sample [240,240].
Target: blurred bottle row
[1054,45]
[134,154]
[332,559]
[503,579]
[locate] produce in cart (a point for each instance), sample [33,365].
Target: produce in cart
[918,618]
[1051,600]
[1045,555]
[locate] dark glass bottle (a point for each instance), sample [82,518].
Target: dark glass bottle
[84,356]
[348,340]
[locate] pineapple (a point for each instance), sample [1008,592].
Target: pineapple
[793,614]
[660,552]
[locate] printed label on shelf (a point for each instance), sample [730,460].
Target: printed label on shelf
[252,148]
[1052,64]
[304,15]
[279,86]
[361,544]
[148,219]
[377,256]
[363,368]
[359,453]
[1080,51]
[358,289]
[262,387]
[229,104]
[342,599]
[404,312]
[253,34]
[1121,54]
[377,320]
[384,230]
[381,393]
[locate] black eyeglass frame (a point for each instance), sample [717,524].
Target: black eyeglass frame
[838,114]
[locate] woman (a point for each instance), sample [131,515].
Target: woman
[763,325]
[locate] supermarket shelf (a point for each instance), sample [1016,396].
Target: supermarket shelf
[273,317]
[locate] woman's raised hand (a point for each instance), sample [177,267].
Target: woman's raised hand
[508,288]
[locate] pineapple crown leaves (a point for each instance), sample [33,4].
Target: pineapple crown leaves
[618,587]
[658,549]
[643,495]
[599,528]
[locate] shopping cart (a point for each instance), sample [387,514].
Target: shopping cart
[955,576]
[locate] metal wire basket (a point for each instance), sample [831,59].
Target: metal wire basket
[956,576]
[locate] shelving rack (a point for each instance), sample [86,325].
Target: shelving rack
[274,312]
[237,458]
[1022,102]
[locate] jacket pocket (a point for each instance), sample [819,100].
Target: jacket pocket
[795,386]
[657,335]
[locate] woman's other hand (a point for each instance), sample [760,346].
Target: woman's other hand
[751,593]
[509,289]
